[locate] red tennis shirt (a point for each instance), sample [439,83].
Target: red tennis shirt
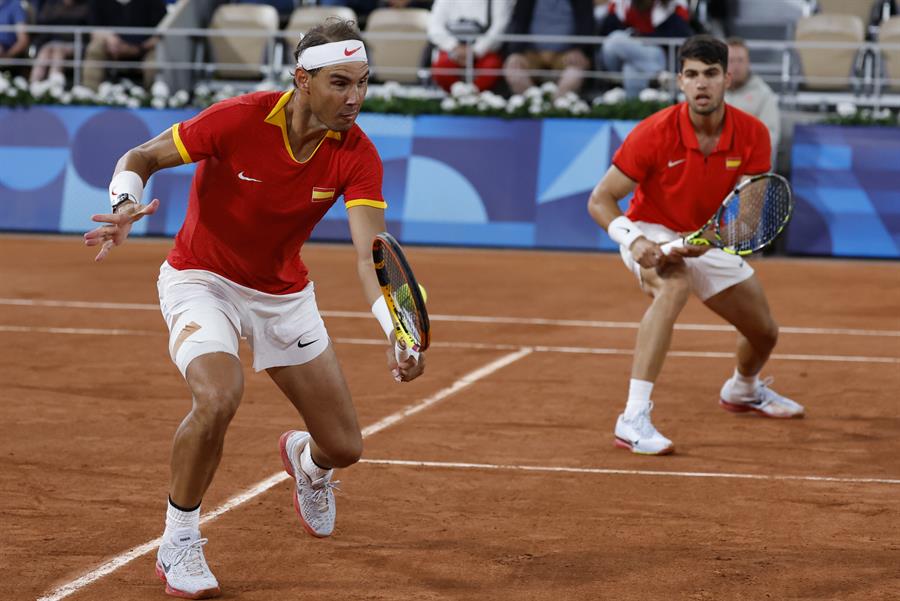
[678,187]
[252,204]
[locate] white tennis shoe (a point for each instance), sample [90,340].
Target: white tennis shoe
[181,565]
[313,499]
[764,401]
[639,435]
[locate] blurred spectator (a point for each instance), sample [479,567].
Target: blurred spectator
[630,19]
[13,44]
[549,17]
[451,18]
[54,48]
[362,8]
[750,93]
[406,3]
[127,47]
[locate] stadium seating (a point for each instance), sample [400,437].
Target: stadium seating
[857,8]
[397,59]
[890,34]
[305,17]
[829,68]
[253,52]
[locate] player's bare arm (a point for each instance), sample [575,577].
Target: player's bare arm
[133,169]
[365,223]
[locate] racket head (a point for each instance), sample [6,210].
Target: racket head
[401,292]
[754,214]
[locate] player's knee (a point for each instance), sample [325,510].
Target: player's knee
[216,405]
[675,291]
[768,336]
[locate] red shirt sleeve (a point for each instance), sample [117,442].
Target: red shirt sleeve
[634,157]
[363,185]
[760,150]
[201,136]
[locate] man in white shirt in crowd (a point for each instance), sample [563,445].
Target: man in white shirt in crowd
[749,93]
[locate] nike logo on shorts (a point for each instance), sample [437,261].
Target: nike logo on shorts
[247,178]
[678,162]
[301,344]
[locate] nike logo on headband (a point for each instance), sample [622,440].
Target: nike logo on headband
[348,52]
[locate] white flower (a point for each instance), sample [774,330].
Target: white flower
[460,89]
[39,88]
[56,91]
[202,90]
[846,109]
[562,103]
[83,93]
[468,100]
[882,113]
[549,87]
[133,103]
[580,107]
[534,109]
[159,89]
[515,101]
[497,102]
[532,93]
[66,98]
[648,95]
[158,103]
[137,92]
[448,104]
[57,78]
[182,97]
[613,96]
[20,82]
[104,89]
[4,84]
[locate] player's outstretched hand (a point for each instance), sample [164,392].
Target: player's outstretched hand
[117,227]
[405,365]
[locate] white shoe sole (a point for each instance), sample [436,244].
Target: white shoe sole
[624,444]
[207,593]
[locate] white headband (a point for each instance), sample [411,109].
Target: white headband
[333,53]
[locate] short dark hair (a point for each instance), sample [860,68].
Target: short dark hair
[332,30]
[736,41]
[706,49]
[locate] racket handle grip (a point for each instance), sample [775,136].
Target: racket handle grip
[668,246]
[403,353]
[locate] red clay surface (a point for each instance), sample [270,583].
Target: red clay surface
[88,416]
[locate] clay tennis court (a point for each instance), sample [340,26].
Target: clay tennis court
[494,475]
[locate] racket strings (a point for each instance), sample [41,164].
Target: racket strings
[755,215]
[404,301]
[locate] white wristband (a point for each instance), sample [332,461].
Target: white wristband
[126,182]
[381,313]
[624,231]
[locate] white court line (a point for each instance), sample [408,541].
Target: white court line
[616,472]
[576,323]
[257,489]
[586,350]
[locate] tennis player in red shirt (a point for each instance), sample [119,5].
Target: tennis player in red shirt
[681,163]
[270,166]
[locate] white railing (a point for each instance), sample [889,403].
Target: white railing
[868,84]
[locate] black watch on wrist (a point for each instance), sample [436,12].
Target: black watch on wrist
[122,199]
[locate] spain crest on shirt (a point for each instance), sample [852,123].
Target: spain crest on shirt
[322,194]
[732,163]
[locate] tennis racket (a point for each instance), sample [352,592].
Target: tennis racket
[401,294]
[749,219]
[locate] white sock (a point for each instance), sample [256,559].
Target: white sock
[638,397]
[178,521]
[744,386]
[309,466]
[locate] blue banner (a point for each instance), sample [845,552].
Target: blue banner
[845,182]
[449,180]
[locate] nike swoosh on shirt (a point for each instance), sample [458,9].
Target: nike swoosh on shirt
[348,52]
[247,178]
[678,162]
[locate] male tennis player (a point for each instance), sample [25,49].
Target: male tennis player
[270,165]
[681,163]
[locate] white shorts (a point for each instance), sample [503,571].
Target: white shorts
[710,273]
[282,329]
